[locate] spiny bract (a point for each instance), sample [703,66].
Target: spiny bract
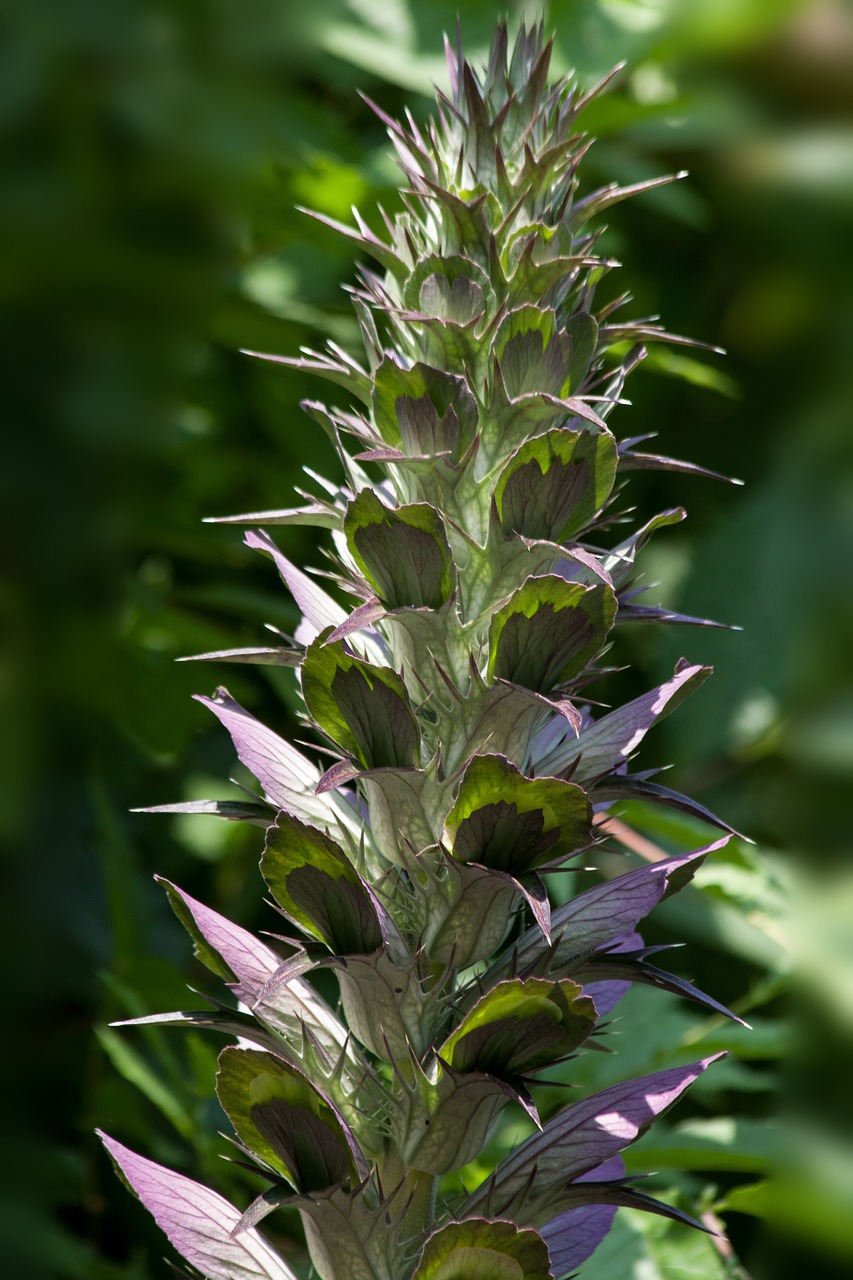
[468,764]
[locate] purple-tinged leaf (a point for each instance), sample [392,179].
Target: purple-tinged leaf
[318,513]
[577,1232]
[607,994]
[630,461]
[278,997]
[319,610]
[246,1029]
[620,561]
[579,1138]
[288,779]
[335,365]
[636,787]
[366,240]
[230,810]
[266,656]
[574,1235]
[612,967]
[630,612]
[198,1221]
[597,201]
[364,616]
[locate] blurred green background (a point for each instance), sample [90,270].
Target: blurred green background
[154,153]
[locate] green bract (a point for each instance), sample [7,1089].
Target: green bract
[470,761]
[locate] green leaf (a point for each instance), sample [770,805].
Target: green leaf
[548,631]
[507,822]
[554,484]
[317,886]
[363,708]
[403,552]
[519,1026]
[280,1116]
[477,1249]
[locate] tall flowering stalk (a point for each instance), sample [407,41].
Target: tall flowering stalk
[470,761]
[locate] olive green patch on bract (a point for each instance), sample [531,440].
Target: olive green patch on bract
[423,410]
[363,708]
[478,1249]
[554,484]
[402,551]
[280,1116]
[316,885]
[507,822]
[521,1025]
[549,631]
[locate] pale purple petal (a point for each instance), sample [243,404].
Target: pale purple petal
[609,742]
[198,1221]
[288,779]
[250,960]
[606,995]
[601,915]
[319,610]
[583,1136]
[573,1236]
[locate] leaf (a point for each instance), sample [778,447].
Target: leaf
[288,779]
[477,1249]
[318,888]
[507,822]
[197,1221]
[285,1120]
[448,288]
[554,484]
[363,708]
[579,1138]
[633,968]
[384,1006]
[477,923]
[519,1026]
[549,631]
[268,656]
[448,1123]
[403,552]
